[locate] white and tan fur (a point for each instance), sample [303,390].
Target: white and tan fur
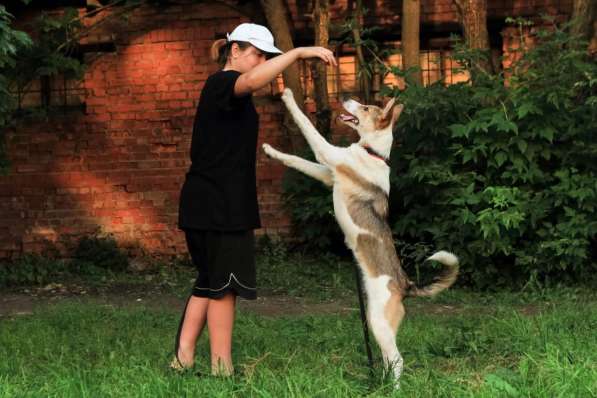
[361,183]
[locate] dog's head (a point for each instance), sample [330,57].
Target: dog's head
[370,119]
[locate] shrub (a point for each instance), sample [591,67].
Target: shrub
[502,172]
[309,203]
[102,252]
[31,269]
[10,41]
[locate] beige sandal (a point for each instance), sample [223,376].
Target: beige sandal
[177,365]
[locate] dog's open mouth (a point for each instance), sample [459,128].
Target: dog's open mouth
[348,118]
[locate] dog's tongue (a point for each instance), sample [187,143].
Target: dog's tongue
[348,118]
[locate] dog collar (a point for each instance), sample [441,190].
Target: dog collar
[371,152]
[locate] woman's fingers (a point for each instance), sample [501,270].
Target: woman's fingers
[322,53]
[327,56]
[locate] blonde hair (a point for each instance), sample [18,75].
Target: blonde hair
[220,50]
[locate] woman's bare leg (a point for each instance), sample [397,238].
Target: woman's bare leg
[194,321]
[220,322]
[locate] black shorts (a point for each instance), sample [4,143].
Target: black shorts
[225,262]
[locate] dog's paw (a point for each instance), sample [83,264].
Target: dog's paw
[269,151]
[287,95]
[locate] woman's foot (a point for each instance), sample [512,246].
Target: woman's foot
[221,367]
[179,366]
[190,326]
[181,362]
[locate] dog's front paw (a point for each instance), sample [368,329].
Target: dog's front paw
[287,95]
[269,151]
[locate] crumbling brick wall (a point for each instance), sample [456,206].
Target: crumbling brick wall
[117,167]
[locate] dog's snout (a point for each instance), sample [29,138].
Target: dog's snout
[345,97]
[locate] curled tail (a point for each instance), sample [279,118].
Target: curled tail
[443,282]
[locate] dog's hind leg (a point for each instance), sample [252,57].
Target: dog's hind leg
[312,169]
[385,314]
[394,313]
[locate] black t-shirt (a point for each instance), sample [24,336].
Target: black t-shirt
[219,192]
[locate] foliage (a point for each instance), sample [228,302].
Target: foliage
[273,250]
[50,49]
[52,52]
[31,269]
[10,41]
[283,272]
[309,203]
[365,40]
[23,60]
[101,251]
[501,170]
[93,256]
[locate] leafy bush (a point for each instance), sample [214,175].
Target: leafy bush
[31,269]
[23,61]
[102,252]
[499,170]
[309,203]
[10,41]
[95,256]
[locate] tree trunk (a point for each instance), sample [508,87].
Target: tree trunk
[321,21]
[584,25]
[593,42]
[365,79]
[411,18]
[583,14]
[275,12]
[473,17]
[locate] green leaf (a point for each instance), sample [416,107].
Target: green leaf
[523,110]
[522,146]
[466,156]
[459,130]
[547,133]
[500,158]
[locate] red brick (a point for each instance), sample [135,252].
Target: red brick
[120,166]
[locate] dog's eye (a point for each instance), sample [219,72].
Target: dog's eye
[366,108]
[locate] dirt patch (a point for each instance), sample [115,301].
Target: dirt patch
[27,301]
[16,304]
[276,306]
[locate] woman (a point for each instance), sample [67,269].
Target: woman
[218,202]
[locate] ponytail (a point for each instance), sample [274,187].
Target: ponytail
[220,50]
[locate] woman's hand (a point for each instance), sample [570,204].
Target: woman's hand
[265,72]
[322,53]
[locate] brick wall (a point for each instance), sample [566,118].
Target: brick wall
[118,166]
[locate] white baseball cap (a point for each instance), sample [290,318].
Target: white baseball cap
[257,35]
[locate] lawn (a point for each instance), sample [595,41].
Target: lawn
[532,344]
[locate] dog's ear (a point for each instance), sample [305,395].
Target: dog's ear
[390,113]
[396,111]
[386,109]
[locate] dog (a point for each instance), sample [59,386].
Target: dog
[359,176]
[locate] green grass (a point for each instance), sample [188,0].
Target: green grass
[533,343]
[87,350]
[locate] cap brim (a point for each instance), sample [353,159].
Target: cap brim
[265,47]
